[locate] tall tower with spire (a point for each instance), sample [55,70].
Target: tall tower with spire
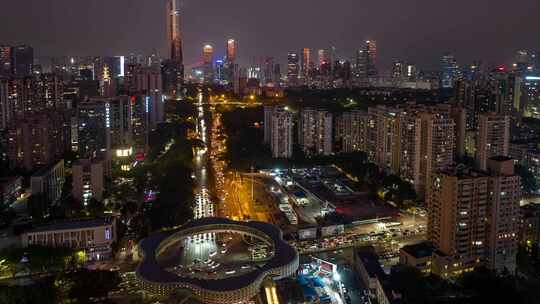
[175,34]
[173,69]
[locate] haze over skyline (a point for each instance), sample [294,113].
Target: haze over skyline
[416,30]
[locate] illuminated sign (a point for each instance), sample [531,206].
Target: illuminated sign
[532,78]
[122,61]
[107,233]
[108,115]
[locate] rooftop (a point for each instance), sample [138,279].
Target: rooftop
[150,270]
[419,250]
[74,224]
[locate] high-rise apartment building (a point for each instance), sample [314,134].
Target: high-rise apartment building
[351,131]
[503,214]
[458,205]
[473,218]
[280,126]
[38,139]
[315,132]
[383,137]
[493,138]
[437,146]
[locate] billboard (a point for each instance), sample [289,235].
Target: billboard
[307,233]
[332,230]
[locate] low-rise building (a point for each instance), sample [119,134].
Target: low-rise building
[373,276]
[49,181]
[94,236]
[417,256]
[88,180]
[529,227]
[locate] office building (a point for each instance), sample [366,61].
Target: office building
[315,129]
[493,138]
[450,70]
[49,182]
[371,50]
[7,105]
[148,82]
[94,236]
[293,68]
[231,50]
[23,61]
[278,129]
[306,64]
[530,96]
[207,63]
[88,180]
[94,124]
[6,69]
[325,62]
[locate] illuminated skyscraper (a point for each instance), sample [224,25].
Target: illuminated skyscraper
[450,70]
[371,49]
[208,54]
[325,62]
[365,66]
[173,69]
[23,60]
[292,68]
[207,67]
[5,60]
[231,50]
[306,61]
[175,35]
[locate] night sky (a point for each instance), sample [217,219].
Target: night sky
[417,30]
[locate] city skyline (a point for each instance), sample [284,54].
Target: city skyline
[426,30]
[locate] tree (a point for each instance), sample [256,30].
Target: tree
[7,215]
[43,292]
[85,284]
[37,207]
[95,207]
